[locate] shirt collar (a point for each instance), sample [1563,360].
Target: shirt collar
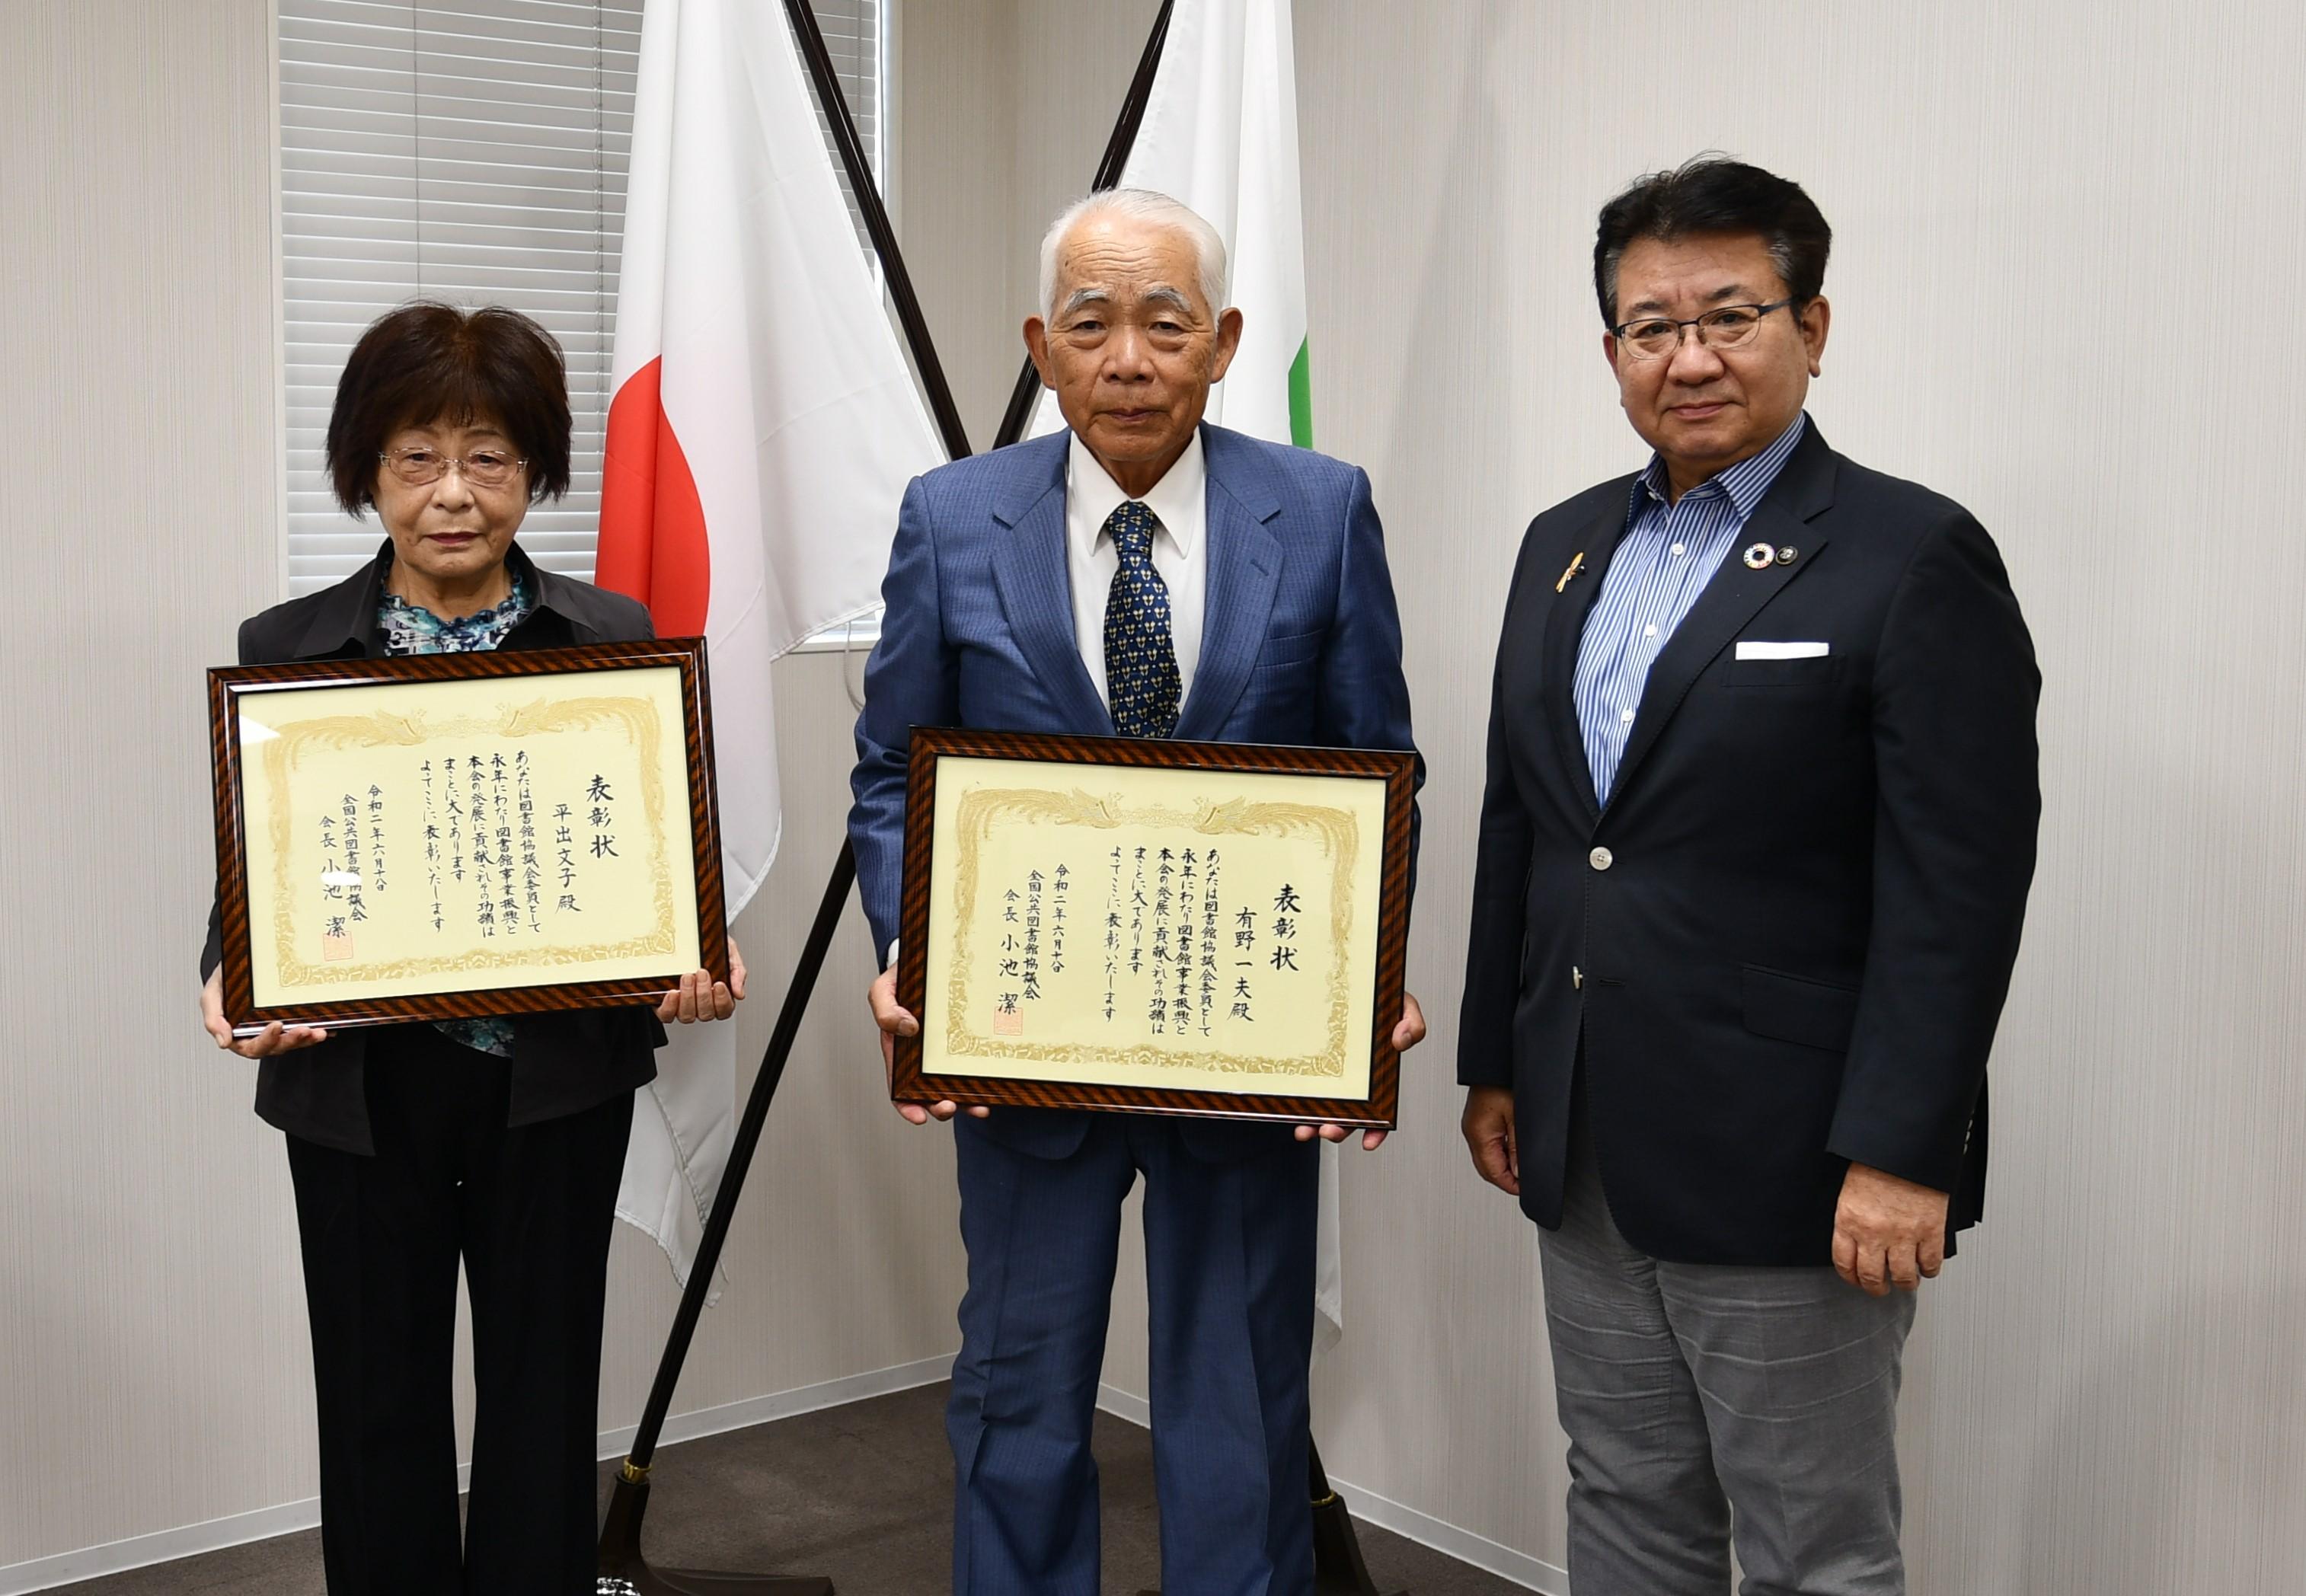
[1745,483]
[1178,500]
[345,616]
[493,622]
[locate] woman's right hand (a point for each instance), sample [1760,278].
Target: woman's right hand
[273,1039]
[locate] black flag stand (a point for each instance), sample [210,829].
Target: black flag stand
[623,1571]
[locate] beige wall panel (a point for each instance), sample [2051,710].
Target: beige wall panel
[960,89]
[149,1291]
[2040,211]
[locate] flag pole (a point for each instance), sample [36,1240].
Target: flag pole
[1027,389]
[877,227]
[623,1571]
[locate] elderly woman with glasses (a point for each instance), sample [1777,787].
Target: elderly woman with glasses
[493,1143]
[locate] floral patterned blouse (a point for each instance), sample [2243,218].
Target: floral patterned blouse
[412,629]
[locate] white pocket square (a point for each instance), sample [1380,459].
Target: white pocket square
[1781,650]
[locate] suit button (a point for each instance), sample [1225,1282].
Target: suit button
[1600,858]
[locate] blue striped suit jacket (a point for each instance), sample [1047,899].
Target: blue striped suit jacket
[1301,641]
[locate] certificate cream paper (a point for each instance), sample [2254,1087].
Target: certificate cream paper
[454,836]
[1196,930]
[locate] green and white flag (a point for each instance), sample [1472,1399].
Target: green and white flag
[1220,134]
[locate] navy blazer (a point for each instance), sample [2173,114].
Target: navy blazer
[1784,945]
[1301,643]
[562,1062]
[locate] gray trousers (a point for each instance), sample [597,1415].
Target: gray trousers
[1691,1392]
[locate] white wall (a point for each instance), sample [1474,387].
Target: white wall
[148,1268]
[2066,239]
[2062,228]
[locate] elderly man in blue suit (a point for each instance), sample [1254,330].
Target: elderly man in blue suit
[1139,575]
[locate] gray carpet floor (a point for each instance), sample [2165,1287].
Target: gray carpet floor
[861,1494]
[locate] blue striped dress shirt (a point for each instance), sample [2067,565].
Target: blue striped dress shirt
[1669,553]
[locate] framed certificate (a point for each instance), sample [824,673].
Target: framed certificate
[1122,923]
[441,836]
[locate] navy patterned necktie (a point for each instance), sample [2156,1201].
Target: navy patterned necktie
[1141,657]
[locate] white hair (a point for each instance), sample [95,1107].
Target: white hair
[1145,205]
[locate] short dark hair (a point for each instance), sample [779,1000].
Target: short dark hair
[1715,194]
[428,362]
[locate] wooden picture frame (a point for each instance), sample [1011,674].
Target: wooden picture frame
[344,788]
[1219,824]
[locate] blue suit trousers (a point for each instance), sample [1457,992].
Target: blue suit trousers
[1229,1260]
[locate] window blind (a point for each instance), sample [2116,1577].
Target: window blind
[474,152]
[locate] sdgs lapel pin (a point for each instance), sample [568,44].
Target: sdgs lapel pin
[1761,557]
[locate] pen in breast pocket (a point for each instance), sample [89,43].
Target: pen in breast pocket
[1576,565]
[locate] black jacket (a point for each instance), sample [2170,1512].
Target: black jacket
[1785,943]
[562,1062]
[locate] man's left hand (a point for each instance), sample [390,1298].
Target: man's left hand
[1888,1232]
[1407,1035]
[701,997]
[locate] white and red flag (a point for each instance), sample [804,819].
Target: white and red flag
[763,429]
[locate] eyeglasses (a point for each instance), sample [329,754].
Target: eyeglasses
[482,468]
[1724,326]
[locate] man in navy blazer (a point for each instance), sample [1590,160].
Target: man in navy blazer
[1755,852]
[1138,574]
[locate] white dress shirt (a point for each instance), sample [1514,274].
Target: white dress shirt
[1180,504]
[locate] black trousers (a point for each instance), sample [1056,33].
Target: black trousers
[528,1209]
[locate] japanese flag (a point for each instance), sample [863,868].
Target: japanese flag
[763,429]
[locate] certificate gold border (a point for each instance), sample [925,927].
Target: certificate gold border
[927,853]
[653,977]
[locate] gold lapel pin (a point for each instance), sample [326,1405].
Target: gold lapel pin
[1576,565]
[1758,557]
[1787,555]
